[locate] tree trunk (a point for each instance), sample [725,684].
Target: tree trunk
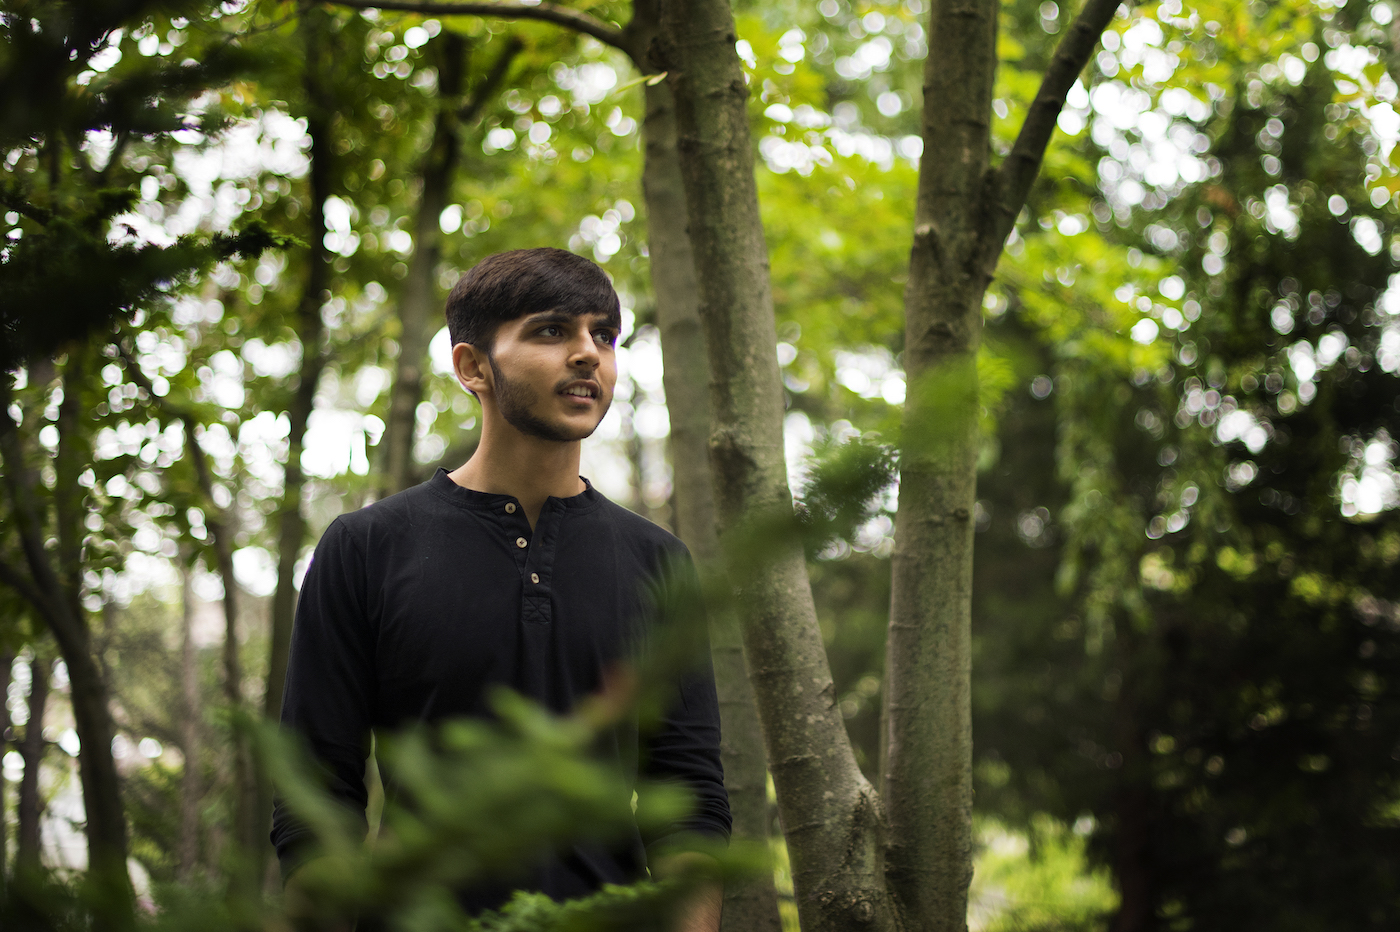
[1132,805]
[750,906]
[62,610]
[7,660]
[830,813]
[245,779]
[418,302]
[963,215]
[927,738]
[187,846]
[291,523]
[221,536]
[31,748]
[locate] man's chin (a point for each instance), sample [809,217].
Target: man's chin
[557,431]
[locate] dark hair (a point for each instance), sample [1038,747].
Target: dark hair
[509,285]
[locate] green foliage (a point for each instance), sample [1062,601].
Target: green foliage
[63,209]
[1038,881]
[1190,651]
[1178,629]
[476,803]
[843,490]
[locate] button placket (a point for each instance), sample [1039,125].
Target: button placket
[535,570]
[517,532]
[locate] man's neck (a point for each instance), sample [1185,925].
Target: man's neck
[507,462]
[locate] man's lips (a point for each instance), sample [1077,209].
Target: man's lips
[583,390]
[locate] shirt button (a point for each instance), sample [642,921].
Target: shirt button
[521,542]
[510,508]
[534,577]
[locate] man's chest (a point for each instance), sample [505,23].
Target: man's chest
[458,610]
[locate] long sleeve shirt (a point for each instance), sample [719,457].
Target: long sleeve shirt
[416,607]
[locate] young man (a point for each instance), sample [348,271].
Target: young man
[510,570]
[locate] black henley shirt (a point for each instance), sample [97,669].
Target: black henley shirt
[415,607]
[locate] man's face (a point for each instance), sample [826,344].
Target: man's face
[553,374]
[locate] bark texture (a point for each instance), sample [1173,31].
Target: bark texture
[1138,893]
[245,780]
[927,738]
[751,906]
[830,813]
[964,212]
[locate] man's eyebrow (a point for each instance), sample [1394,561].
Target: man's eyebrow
[559,317]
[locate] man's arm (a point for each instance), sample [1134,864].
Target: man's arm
[701,911]
[330,682]
[684,745]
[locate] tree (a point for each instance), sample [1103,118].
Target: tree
[902,856]
[65,211]
[1215,620]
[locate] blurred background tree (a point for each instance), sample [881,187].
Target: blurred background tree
[1185,618]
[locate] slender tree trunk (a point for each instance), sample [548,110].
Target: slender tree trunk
[418,302]
[291,523]
[830,813]
[7,661]
[963,214]
[927,738]
[31,748]
[751,906]
[62,609]
[245,780]
[221,533]
[1132,806]
[187,846]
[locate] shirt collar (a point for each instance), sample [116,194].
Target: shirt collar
[442,484]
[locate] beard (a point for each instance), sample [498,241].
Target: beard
[517,404]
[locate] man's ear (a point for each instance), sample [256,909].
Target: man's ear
[472,367]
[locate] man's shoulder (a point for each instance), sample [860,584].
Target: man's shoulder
[397,513]
[636,529]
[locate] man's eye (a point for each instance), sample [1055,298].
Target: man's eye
[605,336]
[550,331]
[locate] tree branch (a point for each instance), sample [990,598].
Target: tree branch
[544,12]
[492,82]
[1013,180]
[25,586]
[67,629]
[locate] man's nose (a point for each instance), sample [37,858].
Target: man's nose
[584,351]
